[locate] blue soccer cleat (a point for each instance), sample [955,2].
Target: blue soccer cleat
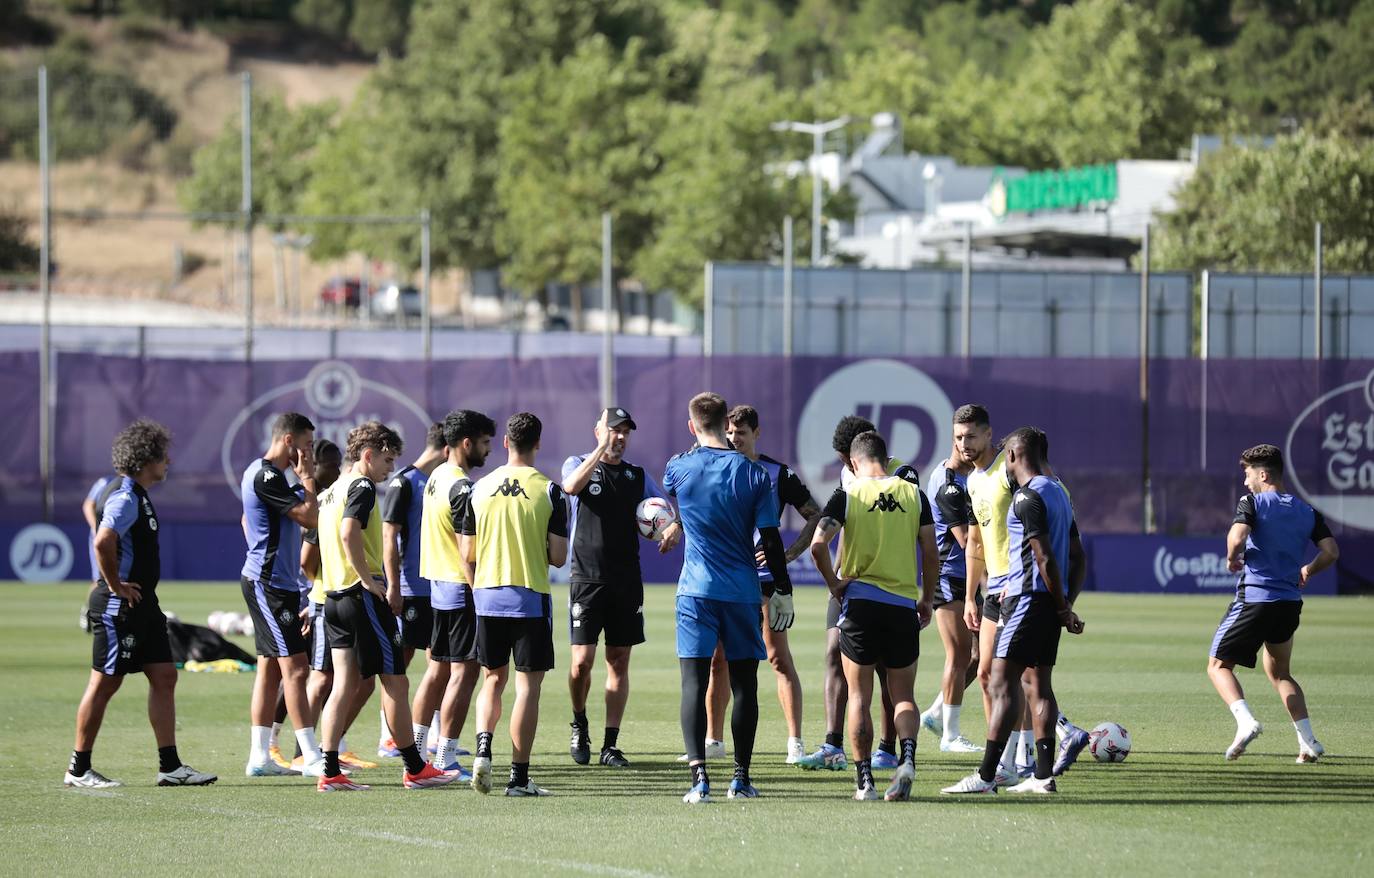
[1069,748]
[884,759]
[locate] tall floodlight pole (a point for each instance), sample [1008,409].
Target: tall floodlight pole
[817,130]
[246,209]
[607,339]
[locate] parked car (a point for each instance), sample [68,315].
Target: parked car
[392,299]
[345,291]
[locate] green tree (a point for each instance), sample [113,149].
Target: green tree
[380,25]
[283,143]
[328,17]
[1253,209]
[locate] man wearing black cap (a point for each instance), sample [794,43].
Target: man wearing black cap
[607,589]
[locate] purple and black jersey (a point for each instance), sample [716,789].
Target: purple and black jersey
[129,513]
[403,506]
[604,535]
[1039,508]
[274,540]
[789,490]
[951,508]
[1281,526]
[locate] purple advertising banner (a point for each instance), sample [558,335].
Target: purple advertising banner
[1202,415]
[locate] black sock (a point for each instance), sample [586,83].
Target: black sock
[80,764]
[580,719]
[612,736]
[834,739]
[744,713]
[167,758]
[889,747]
[696,673]
[863,772]
[699,774]
[909,750]
[1044,757]
[415,763]
[519,774]
[484,745]
[992,755]
[331,763]
[742,773]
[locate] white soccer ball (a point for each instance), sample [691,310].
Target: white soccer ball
[1109,742]
[654,514]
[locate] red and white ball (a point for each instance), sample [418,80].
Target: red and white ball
[654,514]
[1109,742]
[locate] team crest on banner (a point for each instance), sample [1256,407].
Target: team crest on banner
[1330,454]
[336,398]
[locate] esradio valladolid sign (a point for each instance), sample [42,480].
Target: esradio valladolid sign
[336,398]
[1330,449]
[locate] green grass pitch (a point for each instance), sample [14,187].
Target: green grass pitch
[1175,807]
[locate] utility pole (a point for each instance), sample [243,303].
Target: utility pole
[817,130]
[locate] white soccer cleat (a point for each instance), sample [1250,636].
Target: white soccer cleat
[699,794]
[316,769]
[1005,777]
[1244,738]
[933,724]
[481,774]
[271,769]
[827,757]
[185,776]
[866,793]
[1312,753]
[1041,785]
[714,750]
[959,745]
[972,785]
[529,790]
[900,788]
[795,750]
[91,780]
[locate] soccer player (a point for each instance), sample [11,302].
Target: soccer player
[742,429]
[723,500]
[517,524]
[952,510]
[278,493]
[1265,545]
[607,588]
[453,666]
[1034,610]
[128,627]
[831,754]
[328,462]
[360,607]
[883,519]
[401,510]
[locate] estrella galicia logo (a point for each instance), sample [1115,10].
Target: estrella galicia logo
[886,503]
[1206,569]
[909,409]
[334,396]
[511,488]
[41,553]
[1330,453]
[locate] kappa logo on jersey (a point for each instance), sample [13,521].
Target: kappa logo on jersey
[952,490]
[511,488]
[268,476]
[886,503]
[396,482]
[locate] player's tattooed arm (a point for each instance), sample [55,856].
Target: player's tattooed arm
[826,528]
[812,513]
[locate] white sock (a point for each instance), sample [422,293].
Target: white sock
[385,732]
[1025,748]
[950,713]
[1009,754]
[1304,727]
[1241,711]
[935,705]
[257,750]
[276,733]
[447,752]
[434,720]
[421,736]
[795,743]
[310,748]
[1062,727]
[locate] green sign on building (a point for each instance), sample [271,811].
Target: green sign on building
[1053,190]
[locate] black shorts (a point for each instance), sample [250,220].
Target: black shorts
[1029,634]
[454,635]
[321,659]
[529,639]
[616,609]
[276,619]
[992,608]
[417,622]
[357,619]
[874,633]
[1245,627]
[126,638]
[832,613]
[951,590]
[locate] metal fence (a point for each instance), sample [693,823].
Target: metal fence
[1271,316]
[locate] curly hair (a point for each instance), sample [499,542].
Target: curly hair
[139,444]
[849,427]
[1266,457]
[466,424]
[374,435]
